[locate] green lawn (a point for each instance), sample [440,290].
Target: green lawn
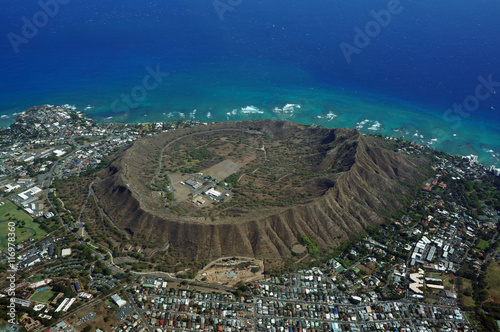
[493,280]
[10,212]
[447,283]
[467,301]
[482,244]
[35,279]
[43,296]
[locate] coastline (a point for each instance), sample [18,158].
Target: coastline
[408,132]
[217,92]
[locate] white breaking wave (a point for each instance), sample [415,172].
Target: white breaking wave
[432,141]
[290,107]
[361,124]
[250,110]
[69,107]
[287,109]
[375,126]
[372,124]
[331,116]
[245,110]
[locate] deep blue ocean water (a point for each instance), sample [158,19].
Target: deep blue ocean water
[261,56]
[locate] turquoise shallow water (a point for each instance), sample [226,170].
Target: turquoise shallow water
[230,92]
[258,96]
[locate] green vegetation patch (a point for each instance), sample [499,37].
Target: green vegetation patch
[467,300]
[448,282]
[482,244]
[232,179]
[493,281]
[43,296]
[484,191]
[201,154]
[10,212]
[312,246]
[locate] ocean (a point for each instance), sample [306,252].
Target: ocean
[426,71]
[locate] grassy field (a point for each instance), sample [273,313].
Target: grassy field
[10,212]
[482,244]
[448,282]
[493,280]
[43,296]
[467,301]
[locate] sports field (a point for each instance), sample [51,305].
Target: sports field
[10,212]
[43,296]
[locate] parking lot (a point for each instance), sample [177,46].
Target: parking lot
[124,311]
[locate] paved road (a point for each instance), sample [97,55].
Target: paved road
[164,248]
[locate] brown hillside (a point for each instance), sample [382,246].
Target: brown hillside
[355,183]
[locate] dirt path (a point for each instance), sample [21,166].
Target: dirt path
[284,176]
[91,192]
[300,260]
[263,148]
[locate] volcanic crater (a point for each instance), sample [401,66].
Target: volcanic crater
[253,188]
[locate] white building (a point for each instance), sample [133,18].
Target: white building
[84,295]
[118,300]
[213,193]
[10,187]
[42,283]
[59,153]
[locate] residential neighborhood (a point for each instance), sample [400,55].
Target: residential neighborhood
[428,268]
